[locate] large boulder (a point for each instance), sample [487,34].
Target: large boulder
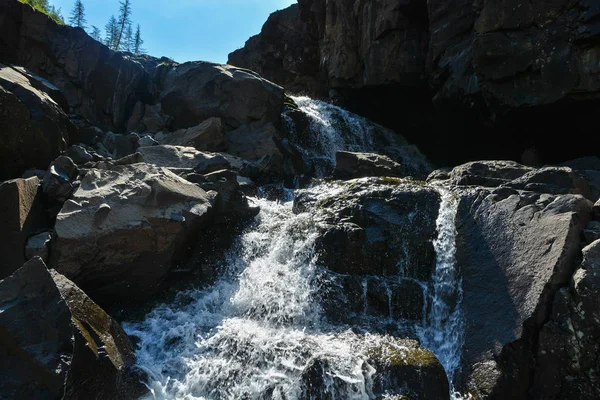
[515,250]
[97,83]
[376,244]
[22,213]
[368,226]
[208,136]
[567,358]
[397,368]
[350,165]
[123,229]
[57,343]
[195,91]
[34,127]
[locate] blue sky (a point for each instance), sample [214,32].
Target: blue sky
[187,30]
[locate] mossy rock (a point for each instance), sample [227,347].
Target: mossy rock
[408,370]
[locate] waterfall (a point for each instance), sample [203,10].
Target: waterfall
[260,331]
[254,333]
[443,327]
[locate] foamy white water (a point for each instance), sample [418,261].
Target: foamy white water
[252,334]
[443,328]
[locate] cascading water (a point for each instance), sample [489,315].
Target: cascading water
[253,333]
[256,332]
[443,327]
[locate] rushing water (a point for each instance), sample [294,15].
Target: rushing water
[442,330]
[255,332]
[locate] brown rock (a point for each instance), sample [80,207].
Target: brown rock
[22,214]
[360,165]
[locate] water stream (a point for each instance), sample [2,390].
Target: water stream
[260,327]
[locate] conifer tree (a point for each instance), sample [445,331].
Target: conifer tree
[137,41]
[128,39]
[111,32]
[78,15]
[96,33]
[124,20]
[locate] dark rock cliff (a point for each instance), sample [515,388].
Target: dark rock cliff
[474,79]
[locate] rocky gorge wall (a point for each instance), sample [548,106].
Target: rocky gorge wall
[479,79]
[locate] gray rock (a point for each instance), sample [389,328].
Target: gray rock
[592,232]
[38,246]
[208,136]
[597,209]
[553,180]
[120,146]
[195,91]
[360,165]
[515,251]
[567,359]
[34,127]
[57,343]
[126,249]
[147,141]
[375,226]
[487,173]
[22,214]
[79,155]
[183,158]
[58,180]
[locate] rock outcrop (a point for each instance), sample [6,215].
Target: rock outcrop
[485,71]
[57,343]
[123,229]
[369,238]
[34,127]
[567,358]
[350,165]
[516,249]
[22,212]
[95,82]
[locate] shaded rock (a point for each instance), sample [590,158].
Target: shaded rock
[254,142]
[583,164]
[208,136]
[553,180]
[58,180]
[148,118]
[285,52]
[57,343]
[195,91]
[183,157]
[22,214]
[377,226]
[515,250]
[360,165]
[79,155]
[120,146]
[374,300]
[147,141]
[487,173]
[98,84]
[230,201]
[126,249]
[34,128]
[567,358]
[592,232]
[597,209]
[38,246]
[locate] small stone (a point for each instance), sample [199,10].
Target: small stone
[38,246]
